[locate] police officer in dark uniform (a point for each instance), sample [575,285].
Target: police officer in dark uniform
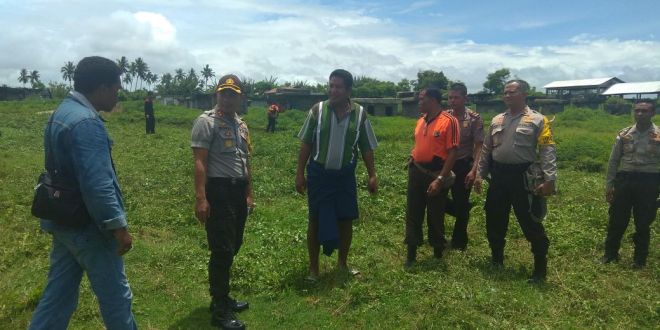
[223,191]
[517,138]
[633,178]
[149,114]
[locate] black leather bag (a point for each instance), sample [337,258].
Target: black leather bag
[58,202]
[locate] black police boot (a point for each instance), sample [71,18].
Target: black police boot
[497,258]
[236,305]
[411,256]
[540,270]
[224,317]
[437,252]
[609,257]
[639,260]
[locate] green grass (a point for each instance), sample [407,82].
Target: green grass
[167,267]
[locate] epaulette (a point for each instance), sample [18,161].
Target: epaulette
[472,114]
[625,131]
[499,119]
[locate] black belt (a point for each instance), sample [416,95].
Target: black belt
[638,175]
[228,181]
[433,167]
[510,168]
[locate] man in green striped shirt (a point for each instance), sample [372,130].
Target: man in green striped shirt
[333,133]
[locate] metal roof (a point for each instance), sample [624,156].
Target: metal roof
[580,82]
[647,87]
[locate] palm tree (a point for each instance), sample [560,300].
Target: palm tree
[150,78]
[165,86]
[166,79]
[122,63]
[132,71]
[141,69]
[67,71]
[127,80]
[179,75]
[24,77]
[207,73]
[34,78]
[154,79]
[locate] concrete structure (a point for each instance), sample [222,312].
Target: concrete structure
[294,98]
[389,106]
[20,93]
[580,89]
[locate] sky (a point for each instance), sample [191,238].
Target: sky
[292,40]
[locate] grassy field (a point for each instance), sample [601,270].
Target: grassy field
[167,267]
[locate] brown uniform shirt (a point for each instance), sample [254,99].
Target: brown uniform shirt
[472,132]
[635,151]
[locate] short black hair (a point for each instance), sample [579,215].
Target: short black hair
[523,86]
[459,87]
[345,76]
[93,72]
[434,93]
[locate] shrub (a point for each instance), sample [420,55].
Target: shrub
[617,106]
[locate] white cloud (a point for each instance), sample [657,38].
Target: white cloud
[417,5]
[296,41]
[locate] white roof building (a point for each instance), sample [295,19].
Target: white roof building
[637,88]
[581,87]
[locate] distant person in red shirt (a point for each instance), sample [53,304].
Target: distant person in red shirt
[273,112]
[437,137]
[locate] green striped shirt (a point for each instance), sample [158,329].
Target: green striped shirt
[335,142]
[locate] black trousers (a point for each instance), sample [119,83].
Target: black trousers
[636,192]
[417,203]
[151,125]
[224,230]
[271,124]
[460,202]
[506,190]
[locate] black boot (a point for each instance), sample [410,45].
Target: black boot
[236,305]
[497,258]
[437,252]
[540,269]
[224,317]
[411,256]
[639,260]
[608,257]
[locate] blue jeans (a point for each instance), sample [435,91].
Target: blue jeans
[91,251]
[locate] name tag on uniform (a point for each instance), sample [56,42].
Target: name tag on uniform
[466,124]
[229,143]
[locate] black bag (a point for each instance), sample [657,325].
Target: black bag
[60,203]
[55,197]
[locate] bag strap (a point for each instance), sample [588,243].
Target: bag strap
[49,145]
[49,161]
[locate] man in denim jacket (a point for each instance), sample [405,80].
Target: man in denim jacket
[81,153]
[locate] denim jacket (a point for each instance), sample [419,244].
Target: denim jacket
[81,151]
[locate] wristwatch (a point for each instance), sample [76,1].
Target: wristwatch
[440,178]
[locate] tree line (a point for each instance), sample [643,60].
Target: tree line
[137,76]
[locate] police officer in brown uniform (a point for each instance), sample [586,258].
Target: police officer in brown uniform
[465,167]
[633,178]
[223,191]
[509,150]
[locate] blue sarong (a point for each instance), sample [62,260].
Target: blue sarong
[332,196]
